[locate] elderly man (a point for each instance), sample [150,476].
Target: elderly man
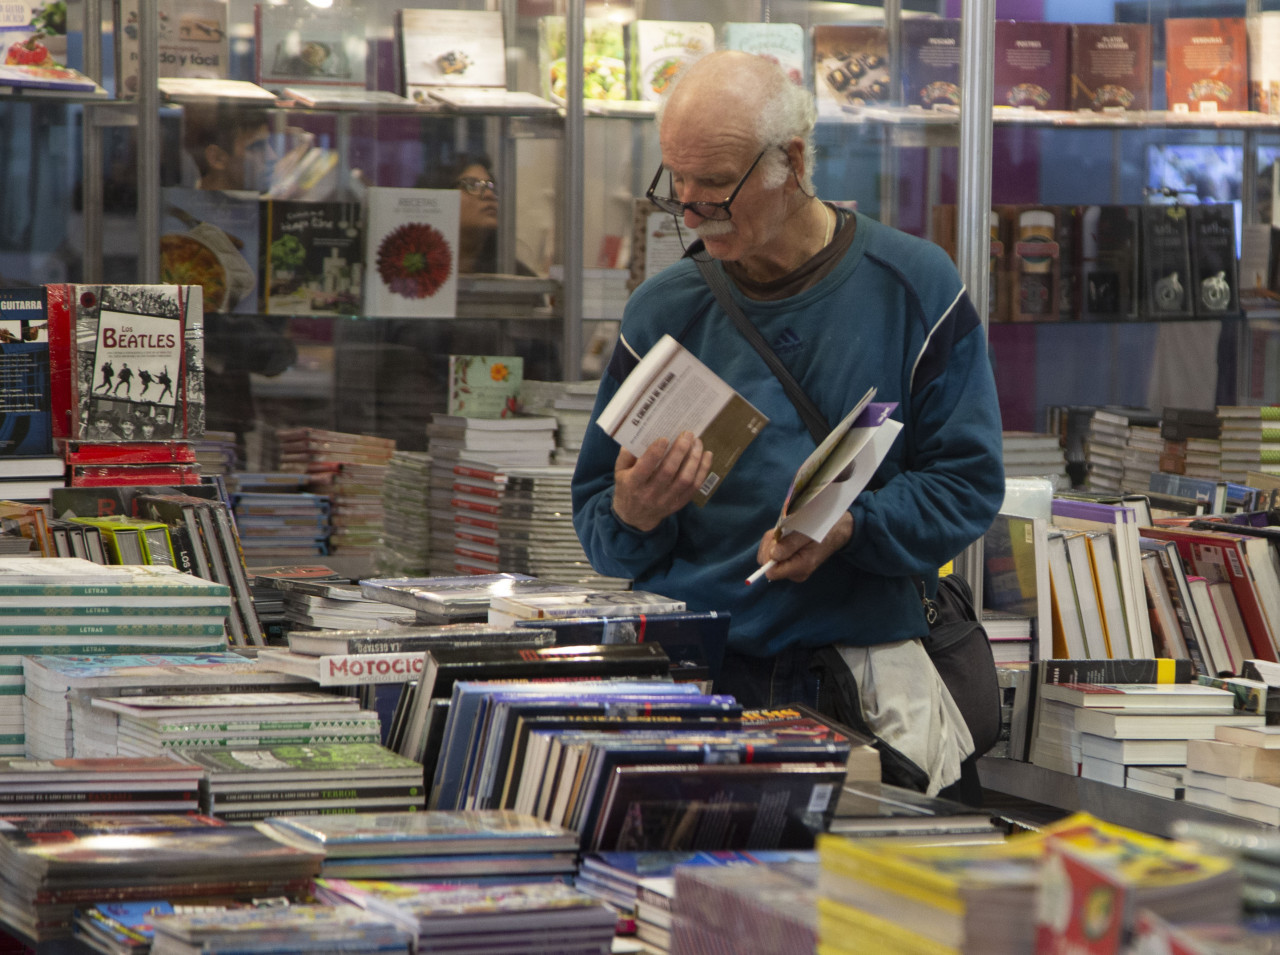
[846,303]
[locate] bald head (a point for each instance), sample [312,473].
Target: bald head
[747,95]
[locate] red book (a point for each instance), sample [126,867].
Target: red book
[1222,557]
[1206,63]
[136,452]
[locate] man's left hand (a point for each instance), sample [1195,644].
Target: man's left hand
[796,556]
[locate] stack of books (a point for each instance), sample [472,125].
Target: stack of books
[283,525]
[67,605]
[52,786]
[520,520]
[154,725]
[311,604]
[431,845]
[1250,440]
[244,785]
[1028,454]
[1141,456]
[1255,851]
[406,506]
[868,808]
[1104,448]
[51,864]
[768,909]
[537,918]
[291,928]
[60,690]
[525,604]
[448,599]
[216,453]
[570,403]
[268,599]
[347,468]
[1237,772]
[392,655]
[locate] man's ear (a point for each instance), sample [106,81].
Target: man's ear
[795,159]
[216,157]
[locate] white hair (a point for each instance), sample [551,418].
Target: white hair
[786,112]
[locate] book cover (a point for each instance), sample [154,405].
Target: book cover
[604,63]
[660,49]
[139,358]
[1214,281]
[671,391]
[1166,262]
[507,609]
[485,386]
[1036,263]
[313,257]
[210,238]
[1109,262]
[193,41]
[1111,66]
[451,48]
[930,62]
[61,79]
[1032,64]
[411,263]
[308,44]
[426,833]
[784,43]
[850,66]
[34,33]
[26,411]
[696,636]
[1206,64]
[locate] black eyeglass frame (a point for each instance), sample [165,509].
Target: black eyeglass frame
[476,187]
[722,212]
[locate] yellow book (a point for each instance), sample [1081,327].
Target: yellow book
[847,930]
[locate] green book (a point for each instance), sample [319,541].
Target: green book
[485,386]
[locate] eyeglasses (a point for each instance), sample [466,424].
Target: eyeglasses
[477,187]
[704,210]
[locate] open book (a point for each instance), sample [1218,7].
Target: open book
[670,391]
[836,472]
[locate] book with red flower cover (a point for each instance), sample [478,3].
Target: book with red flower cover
[411,253]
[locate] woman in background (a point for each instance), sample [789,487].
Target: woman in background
[471,174]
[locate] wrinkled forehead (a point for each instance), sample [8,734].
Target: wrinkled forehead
[705,140]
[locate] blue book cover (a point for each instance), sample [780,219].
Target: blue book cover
[26,416]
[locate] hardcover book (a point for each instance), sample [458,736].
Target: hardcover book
[1033,64]
[1214,280]
[850,66]
[307,44]
[1111,66]
[485,386]
[25,399]
[671,391]
[1206,64]
[411,262]
[1109,262]
[313,257]
[34,33]
[193,41]
[660,49]
[604,63]
[1166,262]
[441,48]
[783,43]
[930,62]
[210,238]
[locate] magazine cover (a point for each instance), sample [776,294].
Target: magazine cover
[139,356]
[660,49]
[850,66]
[193,41]
[210,238]
[451,48]
[25,415]
[411,259]
[313,260]
[307,44]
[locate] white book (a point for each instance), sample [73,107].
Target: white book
[1064,596]
[1095,637]
[1117,724]
[1219,652]
[345,669]
[1135,752]
[1102,770]
[671,391]
[660,49]
[411,260]
[505,610]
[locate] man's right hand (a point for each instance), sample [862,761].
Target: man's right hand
[660,482]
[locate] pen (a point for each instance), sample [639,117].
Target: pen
[761,571]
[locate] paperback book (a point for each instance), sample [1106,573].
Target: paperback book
[451,48]
[312,257]
[1206,64]
[1111,66]
[1032,64]
[485,386]
[784,43]
[604,63]
[411,238]
[210,238]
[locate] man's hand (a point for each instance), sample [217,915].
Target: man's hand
[659,482]
[796,556]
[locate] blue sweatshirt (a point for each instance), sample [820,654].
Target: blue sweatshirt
[891,314]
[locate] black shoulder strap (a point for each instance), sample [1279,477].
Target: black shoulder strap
[809,412]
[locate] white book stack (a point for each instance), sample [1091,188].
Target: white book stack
[1028,454]
[337,605]
[570,403]
[1250,436]
[60,690]
[1237,772]
[1141,457]
[1204,459]
[406,507]
[1104,449]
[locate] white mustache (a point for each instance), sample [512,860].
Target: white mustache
[713,228]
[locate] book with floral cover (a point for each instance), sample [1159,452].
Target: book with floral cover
[411,259]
